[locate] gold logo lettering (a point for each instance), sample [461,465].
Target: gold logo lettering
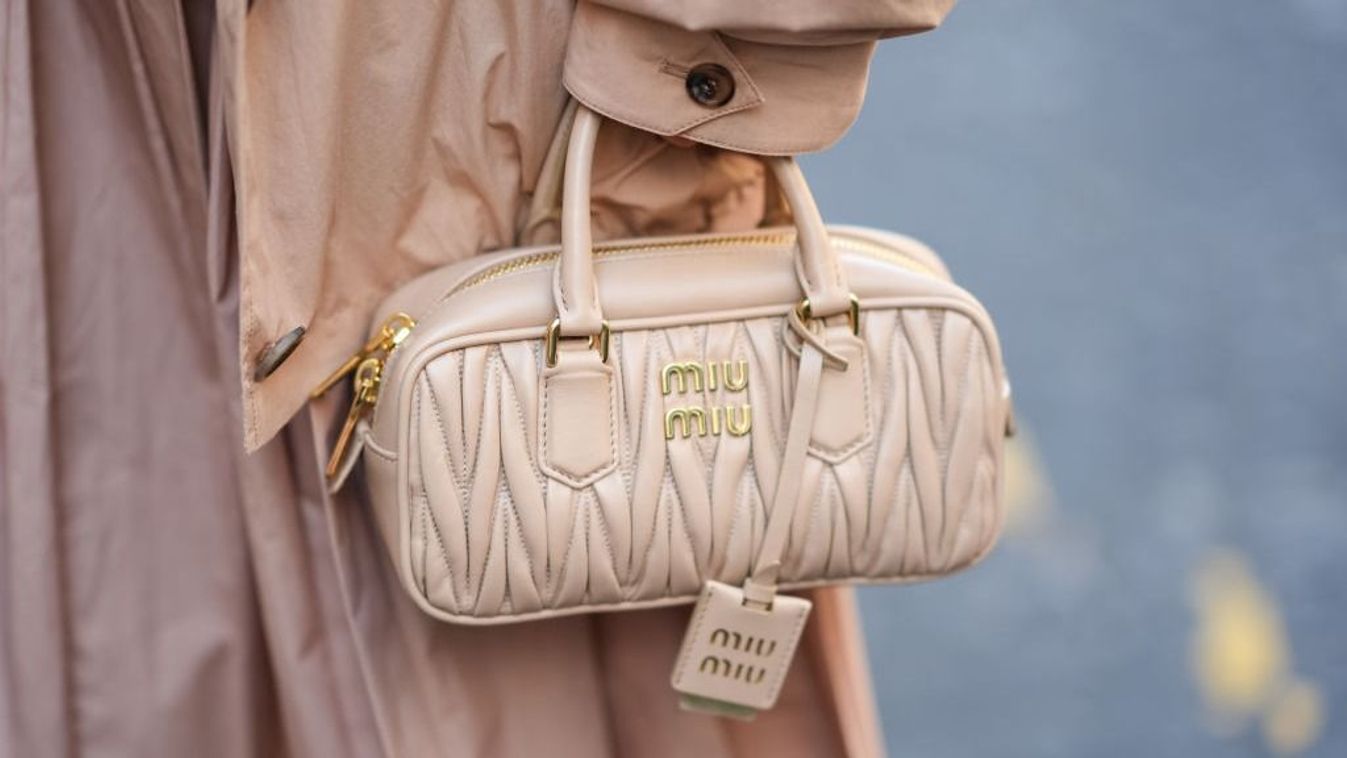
[737,382]
[683,372]
[682,377]
[741,421]
[686,416]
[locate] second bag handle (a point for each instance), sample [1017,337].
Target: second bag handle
[579,313]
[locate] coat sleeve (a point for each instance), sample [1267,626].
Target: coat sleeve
[760,76]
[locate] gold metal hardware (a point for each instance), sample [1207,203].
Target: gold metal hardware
[686,416]
[368,376]
[739,381]
[691,376]
[853,314]
[394,332]
[596,341]
[368,365]
[739,422]
[732,376]
[686,372]
[681,421]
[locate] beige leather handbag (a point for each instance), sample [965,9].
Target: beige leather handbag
[709,418]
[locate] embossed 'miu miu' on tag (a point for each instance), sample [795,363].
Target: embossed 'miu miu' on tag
[681,377]
[739,670]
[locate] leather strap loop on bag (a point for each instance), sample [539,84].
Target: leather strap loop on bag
[578,311]
[814,358]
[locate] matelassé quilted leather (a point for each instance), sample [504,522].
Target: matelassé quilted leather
[490,535]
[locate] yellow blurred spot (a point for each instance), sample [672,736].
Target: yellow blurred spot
[1028,494]
[1241,658]
[1295,720]
[1240,645]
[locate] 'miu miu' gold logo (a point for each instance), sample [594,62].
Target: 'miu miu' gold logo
[691,376]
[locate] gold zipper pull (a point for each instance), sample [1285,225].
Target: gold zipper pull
[336,376]
[368,375]
[393,332]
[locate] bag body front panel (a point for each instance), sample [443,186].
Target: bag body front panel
[486,535]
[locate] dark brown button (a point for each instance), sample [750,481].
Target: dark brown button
[710,84]
[273,355]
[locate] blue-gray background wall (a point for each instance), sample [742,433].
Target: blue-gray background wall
[1151,198]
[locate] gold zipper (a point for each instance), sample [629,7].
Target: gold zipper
[881,252]
[610,249]
[368,365]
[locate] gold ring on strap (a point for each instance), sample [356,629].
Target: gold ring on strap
[596,341]
[853,315]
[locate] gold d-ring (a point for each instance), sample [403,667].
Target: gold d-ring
[853,314]
[597,341]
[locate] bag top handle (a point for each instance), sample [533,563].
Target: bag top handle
[579,313]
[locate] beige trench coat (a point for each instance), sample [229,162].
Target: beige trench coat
[183,182]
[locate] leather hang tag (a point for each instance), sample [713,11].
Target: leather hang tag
[735,655]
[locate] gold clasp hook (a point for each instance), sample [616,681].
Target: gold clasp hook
[368,377]
[393,332]
[368,365]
